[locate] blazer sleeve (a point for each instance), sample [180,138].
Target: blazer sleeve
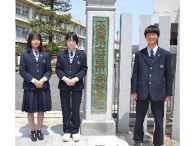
[59,70]
[23,69]
[134,76]
[48,67]
[83,70]
[168,74]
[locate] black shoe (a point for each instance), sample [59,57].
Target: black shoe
[33,136]
[40,135]
[137,143]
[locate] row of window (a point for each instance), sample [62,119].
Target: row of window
[22,11]
[22,32]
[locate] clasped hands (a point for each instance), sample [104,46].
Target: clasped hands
[70,82]
[39,83]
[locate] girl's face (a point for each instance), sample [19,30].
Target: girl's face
[71,44]
[35,42]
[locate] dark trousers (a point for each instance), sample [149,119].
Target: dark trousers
[157,108]
[71,116]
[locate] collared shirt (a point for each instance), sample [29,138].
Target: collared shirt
[36,56]
[71,57]
[154,50]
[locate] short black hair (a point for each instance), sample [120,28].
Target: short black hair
[30,38]
[152,29]
[73,35]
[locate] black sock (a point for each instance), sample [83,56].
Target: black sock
[38,131]
[33,131]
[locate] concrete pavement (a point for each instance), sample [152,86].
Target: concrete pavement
[52,131]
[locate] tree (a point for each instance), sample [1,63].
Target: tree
[49,14]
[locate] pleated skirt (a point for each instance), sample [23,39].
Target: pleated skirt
[38,100]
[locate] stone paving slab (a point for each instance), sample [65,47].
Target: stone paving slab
[52,131]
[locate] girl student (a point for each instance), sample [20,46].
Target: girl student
[36,71]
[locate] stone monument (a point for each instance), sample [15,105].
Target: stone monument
[99,86]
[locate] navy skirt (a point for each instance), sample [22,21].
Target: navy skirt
[38,100]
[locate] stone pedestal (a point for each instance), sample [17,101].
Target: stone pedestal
[99,86]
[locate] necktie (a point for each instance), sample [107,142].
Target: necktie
[151,56]
[71,53]
[36,53]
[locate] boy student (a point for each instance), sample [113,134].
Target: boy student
[151,82]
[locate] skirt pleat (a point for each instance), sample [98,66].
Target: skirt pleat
[38,100]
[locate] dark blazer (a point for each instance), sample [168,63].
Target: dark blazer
[155,78]
[29,68]
[77,68]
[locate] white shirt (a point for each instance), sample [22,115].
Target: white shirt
[154,50]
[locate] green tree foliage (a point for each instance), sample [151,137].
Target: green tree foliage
[50,15]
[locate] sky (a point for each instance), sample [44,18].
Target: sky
[136,7]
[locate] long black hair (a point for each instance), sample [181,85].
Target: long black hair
[30,38]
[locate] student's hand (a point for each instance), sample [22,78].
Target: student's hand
[167,98]
[73,81]
[134,95]
[41,82]
[67,81]
[37,83]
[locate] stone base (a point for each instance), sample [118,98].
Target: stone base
[98,128]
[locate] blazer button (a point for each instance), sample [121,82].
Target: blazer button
[37,70]
[69,71]
[150,75]
[149,82]
[150,67]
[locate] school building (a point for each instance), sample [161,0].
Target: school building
[24,13]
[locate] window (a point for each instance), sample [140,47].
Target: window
[84,32]
[65,25]
[21,32]
[84,43]
[58,25]
[78,31]
[73,28]
[21,10]
[35,16]
[58,38]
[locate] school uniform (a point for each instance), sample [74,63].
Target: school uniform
[35,66]
[71,66]
[152,81]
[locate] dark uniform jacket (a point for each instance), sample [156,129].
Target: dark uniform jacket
[31,68]
[77,68]
[155,78]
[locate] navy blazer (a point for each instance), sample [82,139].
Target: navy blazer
[30,68]
[78,68]
[155,78]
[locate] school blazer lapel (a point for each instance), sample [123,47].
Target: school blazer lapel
[157,56]
[66,56]
[145,55]
[32,56]
[76,55]
[40,56]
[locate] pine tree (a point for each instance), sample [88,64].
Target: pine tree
[50,13]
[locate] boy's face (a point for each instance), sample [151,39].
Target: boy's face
[152,38]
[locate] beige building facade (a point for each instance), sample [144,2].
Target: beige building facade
[24,14]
